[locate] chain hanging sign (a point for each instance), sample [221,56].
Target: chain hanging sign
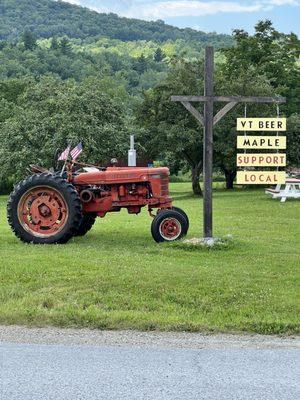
[262,177]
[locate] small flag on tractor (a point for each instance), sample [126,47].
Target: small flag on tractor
[76,151]
[64,155]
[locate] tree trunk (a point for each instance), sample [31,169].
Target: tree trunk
[195,181]
[230,177]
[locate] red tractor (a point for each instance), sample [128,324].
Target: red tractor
[53,207]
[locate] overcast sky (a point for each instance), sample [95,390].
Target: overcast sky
[208,15]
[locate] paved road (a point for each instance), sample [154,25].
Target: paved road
[130,371]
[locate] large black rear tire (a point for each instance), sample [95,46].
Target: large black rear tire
[86,224]
[168,226]
[44,209]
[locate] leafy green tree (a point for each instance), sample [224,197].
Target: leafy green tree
[3,44]
[65,46]
[293,141]
[54,44]
[140,64]
[169,131]
[158,55]
[11,89]
[51,113]
[29,40]
[270,53]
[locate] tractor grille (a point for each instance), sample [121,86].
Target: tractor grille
[164,184]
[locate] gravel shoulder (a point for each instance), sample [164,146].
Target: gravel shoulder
[176,340]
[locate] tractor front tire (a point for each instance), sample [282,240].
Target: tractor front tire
[44,209]
[168,226]
[183,213]
[86,224]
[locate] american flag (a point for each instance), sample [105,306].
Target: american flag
[64,154]
[76,151]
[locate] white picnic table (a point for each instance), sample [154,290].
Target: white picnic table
[289,190]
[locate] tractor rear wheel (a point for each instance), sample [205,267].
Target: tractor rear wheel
[86,224]
[168,225]
[44,209]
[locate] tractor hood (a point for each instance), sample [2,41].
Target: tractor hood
[120,175]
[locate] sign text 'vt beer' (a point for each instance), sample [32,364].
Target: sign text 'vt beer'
[261,124]
[277,143]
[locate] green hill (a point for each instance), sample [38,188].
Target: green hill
[48,18]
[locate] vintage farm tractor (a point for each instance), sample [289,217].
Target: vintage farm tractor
[53,207]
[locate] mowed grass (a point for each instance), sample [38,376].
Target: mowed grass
[117,277]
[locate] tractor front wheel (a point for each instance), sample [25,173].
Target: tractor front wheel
[44,209]
[168,225]
[183,213]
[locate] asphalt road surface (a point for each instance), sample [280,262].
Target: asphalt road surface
[44,364]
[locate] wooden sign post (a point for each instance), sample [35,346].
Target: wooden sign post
[208,121]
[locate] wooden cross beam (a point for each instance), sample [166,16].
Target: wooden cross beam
[208,120]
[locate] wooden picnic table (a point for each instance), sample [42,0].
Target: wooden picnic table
[290,190]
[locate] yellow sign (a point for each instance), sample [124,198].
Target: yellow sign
[261,142]
[261,160]
[260,177]
[261,124]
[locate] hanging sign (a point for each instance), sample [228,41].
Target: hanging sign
[260,160]
[261,124]
[260,177]
[251,160]
[261,142]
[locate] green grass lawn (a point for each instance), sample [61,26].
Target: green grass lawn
[117,277]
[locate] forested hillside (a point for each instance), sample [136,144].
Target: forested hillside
[70,74]
[47,18]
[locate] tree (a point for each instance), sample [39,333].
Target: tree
[293,141]
[272,54]
[169,130]
[51,113]
[140,64]
[29,40]
[158,55]
[54,44]
[65,46]
[3,44]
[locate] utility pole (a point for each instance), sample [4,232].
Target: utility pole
[208,142]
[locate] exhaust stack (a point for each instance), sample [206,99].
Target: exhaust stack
[132,153]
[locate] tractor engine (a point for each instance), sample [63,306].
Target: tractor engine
[116,188]
[99,198]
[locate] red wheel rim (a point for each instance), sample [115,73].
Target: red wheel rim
[42,211]
[170,229]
